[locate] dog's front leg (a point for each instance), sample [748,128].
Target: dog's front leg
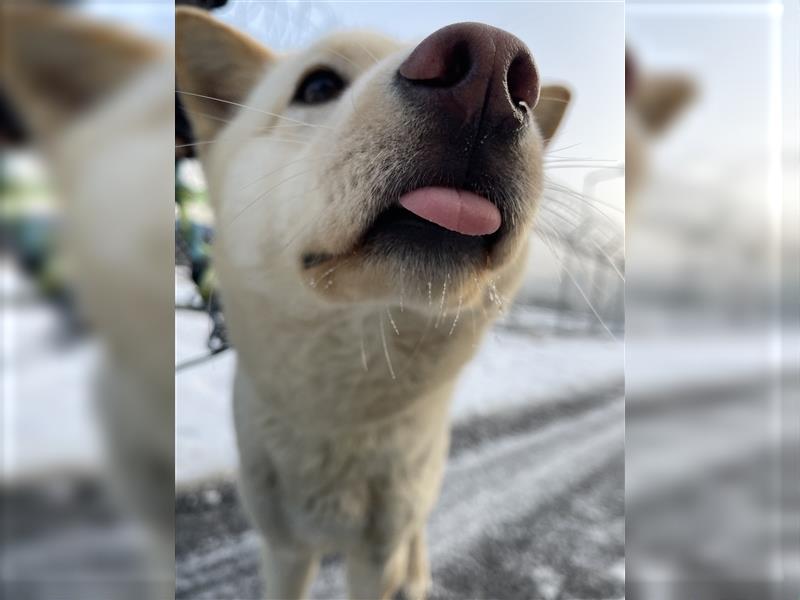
[418,581]
[287,573]
[377,573]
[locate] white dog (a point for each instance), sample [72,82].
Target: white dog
[373,205]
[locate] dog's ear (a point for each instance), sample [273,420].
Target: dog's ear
[216,67]
[58,65]
[658,99]
[550,110]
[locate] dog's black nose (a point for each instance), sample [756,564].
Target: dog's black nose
[474,71]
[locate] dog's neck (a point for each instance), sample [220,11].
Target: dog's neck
[349,363]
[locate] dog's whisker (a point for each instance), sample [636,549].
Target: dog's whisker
[265,268]
[474,329]
[267,137]
[587,201]
[614,264]
[265,128]
[364,362]
[441,304]
[495,297]
[571,217]
[552,158]
[194,144]
[258,110]
[207,115]
[353,63]
[561,149]
[402,285]
[300,126]
[206,142]
[574,281]
[611,262]
[458,314]
[343,57]
[580,166]
[262,196]
[391,320]
[386,349]
[366,51]
[552,99]
[283,166]
[418,345]
[315,282]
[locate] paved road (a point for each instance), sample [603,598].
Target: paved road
[531,507]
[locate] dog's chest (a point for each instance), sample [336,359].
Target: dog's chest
[356,455]
[337,486]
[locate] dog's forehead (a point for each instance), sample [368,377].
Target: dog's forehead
[358,46]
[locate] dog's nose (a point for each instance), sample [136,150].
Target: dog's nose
[474,71]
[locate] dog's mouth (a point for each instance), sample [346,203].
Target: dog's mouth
[437,223]
[429,228]
[437,236]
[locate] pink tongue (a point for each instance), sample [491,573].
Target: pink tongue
[456,210]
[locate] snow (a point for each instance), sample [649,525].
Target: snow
[681,360]
[47,416]
[501,376]
[515,369]
[204,436]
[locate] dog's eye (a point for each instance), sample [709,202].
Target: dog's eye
[319,86]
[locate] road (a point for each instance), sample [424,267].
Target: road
[532,506]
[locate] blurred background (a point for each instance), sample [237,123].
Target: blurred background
[86,264]
[712,486]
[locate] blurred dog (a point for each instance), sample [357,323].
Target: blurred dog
[98,101]
[373,206]
[652,101]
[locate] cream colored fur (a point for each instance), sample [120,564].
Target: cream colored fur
[345,370]
[110,161]
[651,109]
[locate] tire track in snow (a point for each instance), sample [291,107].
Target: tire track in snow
[515,476]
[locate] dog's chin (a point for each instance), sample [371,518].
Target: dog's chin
[404,259]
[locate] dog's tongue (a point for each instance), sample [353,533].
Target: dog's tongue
[456,210]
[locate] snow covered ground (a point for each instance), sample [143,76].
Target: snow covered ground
[511,370]
[47,417]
